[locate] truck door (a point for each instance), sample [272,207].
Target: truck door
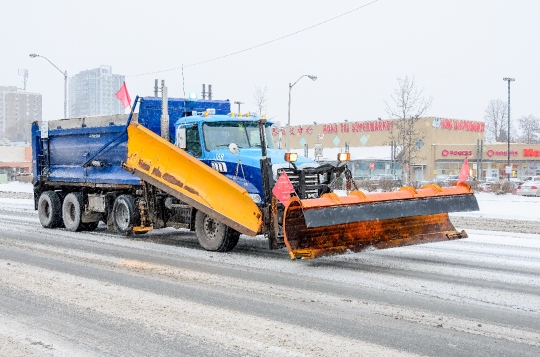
[193,141]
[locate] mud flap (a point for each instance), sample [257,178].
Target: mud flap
[334,225]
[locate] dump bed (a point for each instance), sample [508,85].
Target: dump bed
[71,142]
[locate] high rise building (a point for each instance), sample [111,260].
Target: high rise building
[18,109]
[92,92]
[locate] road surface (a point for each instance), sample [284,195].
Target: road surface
[99,294]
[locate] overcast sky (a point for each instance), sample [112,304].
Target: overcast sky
[458,50]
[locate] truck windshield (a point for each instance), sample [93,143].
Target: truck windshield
[244,134]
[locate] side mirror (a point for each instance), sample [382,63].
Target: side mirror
[181,138]
[233,148]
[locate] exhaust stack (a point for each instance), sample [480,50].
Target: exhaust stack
[164,112]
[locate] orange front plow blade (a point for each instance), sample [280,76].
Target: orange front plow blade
[334,225]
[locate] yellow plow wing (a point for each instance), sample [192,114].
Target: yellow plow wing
[174,171]
[334,225]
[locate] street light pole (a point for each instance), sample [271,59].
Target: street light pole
[239,103]
[33,55]
[288,133]
[508,79]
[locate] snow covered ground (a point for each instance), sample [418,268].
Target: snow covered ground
[505,206]
[16,186]
[479,294]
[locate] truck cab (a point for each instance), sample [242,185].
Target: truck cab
[208,137]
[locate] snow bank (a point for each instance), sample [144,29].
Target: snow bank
[505,207]
[16,186]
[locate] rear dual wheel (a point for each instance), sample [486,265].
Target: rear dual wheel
[50,209]
[72,209]
[213,235]
[72,212]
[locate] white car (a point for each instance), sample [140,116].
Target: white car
[529,188]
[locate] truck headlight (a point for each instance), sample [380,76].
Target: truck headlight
[255,197]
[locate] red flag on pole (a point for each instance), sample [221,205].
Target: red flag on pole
[123,96]
[464,173]
[283,189]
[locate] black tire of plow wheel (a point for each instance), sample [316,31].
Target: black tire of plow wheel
[89,226]
[72,211]
[125,214]
[50,210]
[214,236]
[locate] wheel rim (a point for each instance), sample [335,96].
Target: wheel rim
[71,212]
[46,208]
[122,217]
[210,227]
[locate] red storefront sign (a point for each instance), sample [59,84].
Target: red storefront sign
[531,152]
[452,124]
[308,129]
[379,125]
[491,152]
[446,152]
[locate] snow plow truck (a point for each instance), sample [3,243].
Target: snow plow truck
[193,164]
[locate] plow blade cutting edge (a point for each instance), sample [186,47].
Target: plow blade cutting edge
[333,225]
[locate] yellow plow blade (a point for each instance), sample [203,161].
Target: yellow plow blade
[334,225]
[174,171]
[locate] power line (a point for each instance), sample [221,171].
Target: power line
[256,46]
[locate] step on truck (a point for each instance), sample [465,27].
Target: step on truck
[193,164]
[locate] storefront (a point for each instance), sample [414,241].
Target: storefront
[368,142]
[490,162]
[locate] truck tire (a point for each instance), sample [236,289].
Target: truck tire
[125,214]
[50,210]
[213,235]
[72,211]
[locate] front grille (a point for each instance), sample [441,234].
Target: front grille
[311,182]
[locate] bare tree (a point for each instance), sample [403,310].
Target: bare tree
[496,119]
[530,128]
[260,99]
[407,106]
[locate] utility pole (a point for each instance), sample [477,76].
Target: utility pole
[508,79]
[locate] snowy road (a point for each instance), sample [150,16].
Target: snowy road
[97,294]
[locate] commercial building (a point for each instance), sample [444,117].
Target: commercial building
[15,160]
[445,144]
[92,92]
[491,161]
[18,109]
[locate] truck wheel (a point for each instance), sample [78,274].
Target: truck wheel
[125,214]
[72,211]
[50,210]
[213,235]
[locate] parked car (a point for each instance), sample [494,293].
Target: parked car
[451,179]
[440,179]
[517,180]
[530,178]
[487,182]
[386,177]
[529,188]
